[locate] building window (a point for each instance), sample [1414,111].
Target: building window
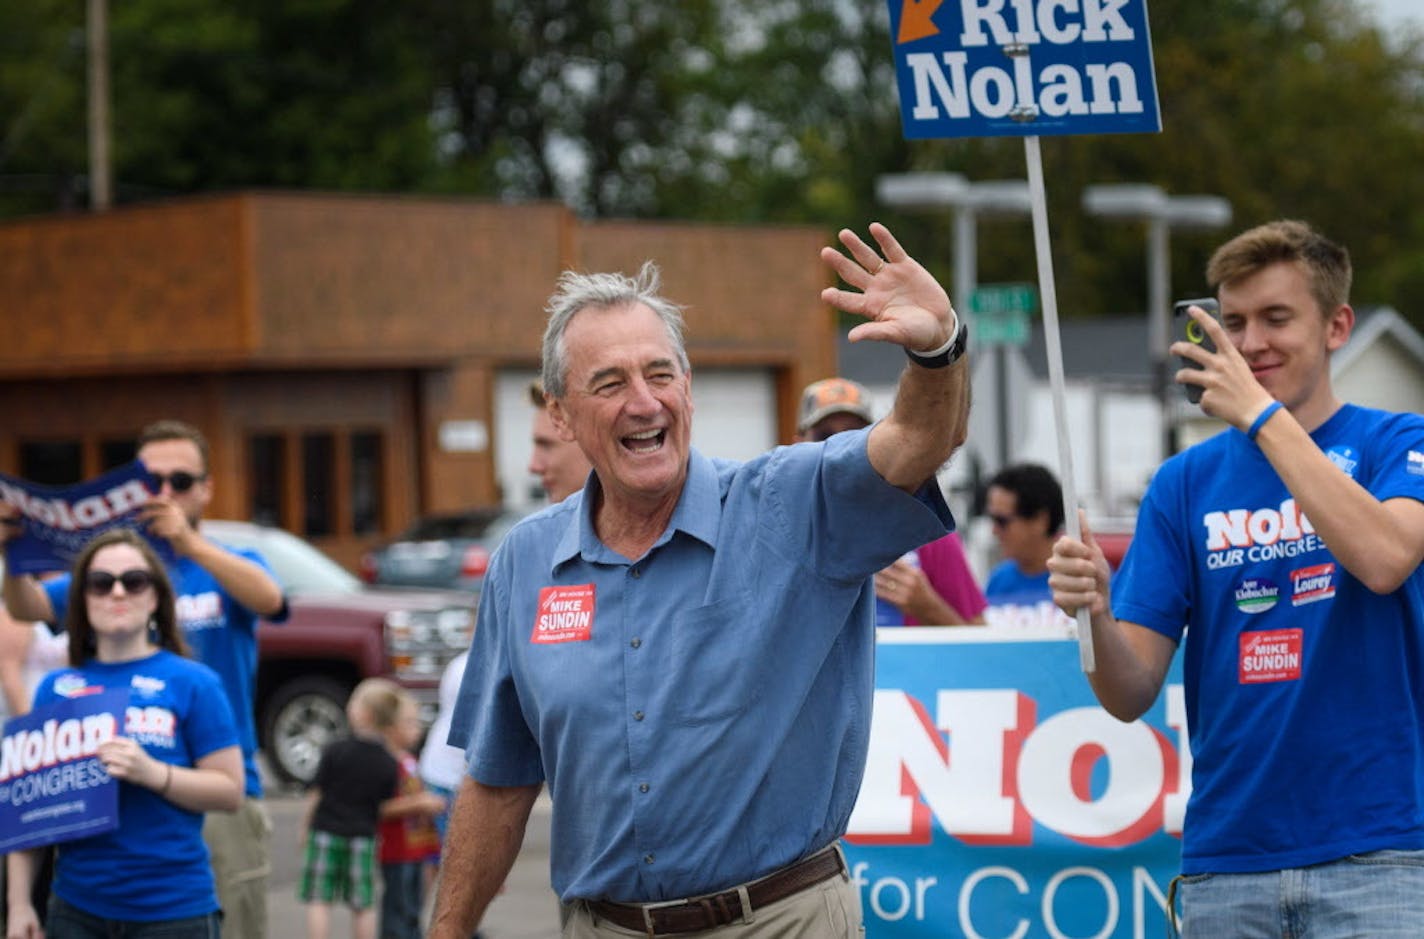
[367,480]
[115,453]
[52,462]
[319,484]
[268,455]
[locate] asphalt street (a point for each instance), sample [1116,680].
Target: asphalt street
[526,909]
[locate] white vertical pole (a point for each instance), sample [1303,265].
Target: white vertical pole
[1054,346]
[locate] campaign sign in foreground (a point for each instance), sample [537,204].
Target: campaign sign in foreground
[59,520]
[52,786]
[1004,68]
[1001,802]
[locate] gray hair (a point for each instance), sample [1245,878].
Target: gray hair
[577,292]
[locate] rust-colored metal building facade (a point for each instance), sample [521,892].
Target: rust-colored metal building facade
[324,342]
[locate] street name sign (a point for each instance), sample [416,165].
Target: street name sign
[1000,313]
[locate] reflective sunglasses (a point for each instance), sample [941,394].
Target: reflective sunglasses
[101,583]
[178,480]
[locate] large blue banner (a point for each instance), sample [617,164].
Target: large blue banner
[57,521]
[1001,802]
[52,785]
[1000,68]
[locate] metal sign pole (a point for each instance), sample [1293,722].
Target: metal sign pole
[1054,346]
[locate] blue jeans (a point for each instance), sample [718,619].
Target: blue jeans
[1379,895]
[401,896]
[67,921]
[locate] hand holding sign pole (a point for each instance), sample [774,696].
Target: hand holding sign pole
[1026,69]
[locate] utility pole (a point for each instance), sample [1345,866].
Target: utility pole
[100,170]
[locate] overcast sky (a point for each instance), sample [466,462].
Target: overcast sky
[1398,11]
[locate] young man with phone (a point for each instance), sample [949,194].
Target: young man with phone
[1287,551]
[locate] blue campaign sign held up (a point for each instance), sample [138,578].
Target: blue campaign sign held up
[1020,68]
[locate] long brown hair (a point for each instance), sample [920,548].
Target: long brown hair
[165,616]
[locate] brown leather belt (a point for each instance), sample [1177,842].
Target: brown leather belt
[721,909]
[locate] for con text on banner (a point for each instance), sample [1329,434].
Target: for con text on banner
[1001,802]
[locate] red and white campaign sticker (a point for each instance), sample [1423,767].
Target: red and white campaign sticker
[565,614]
[1309,584]
[1270,655]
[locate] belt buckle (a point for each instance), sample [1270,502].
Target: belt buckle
[647,909]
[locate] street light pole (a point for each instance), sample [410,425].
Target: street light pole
[97,30]
[967,201]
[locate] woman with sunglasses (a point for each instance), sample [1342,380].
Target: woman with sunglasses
[177,758]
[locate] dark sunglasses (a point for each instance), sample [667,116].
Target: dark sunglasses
[178,480]
[1000,521]
[101,583]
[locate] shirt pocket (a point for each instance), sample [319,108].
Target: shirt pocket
[716,670]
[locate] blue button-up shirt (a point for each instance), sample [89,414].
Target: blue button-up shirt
[701,714]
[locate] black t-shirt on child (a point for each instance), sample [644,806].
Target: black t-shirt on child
[354,777]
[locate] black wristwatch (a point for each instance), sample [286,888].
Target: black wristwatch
[952,353]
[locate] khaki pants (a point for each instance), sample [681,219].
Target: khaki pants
[828,910]
[240,844]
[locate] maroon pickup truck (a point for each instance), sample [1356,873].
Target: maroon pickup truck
[339,631]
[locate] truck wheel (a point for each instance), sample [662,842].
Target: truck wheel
[300,718]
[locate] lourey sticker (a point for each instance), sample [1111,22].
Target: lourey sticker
[565,614]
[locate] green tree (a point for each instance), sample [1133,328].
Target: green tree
[211,95]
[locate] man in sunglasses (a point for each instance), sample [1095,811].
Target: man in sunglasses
[220,594]
[930,586]
[1024,503]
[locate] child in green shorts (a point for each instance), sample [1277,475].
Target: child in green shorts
[356,774]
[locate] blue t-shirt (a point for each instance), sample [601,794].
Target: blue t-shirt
[701,713]
[1305,704]
[1008,584]
[223,636]
[1021,601]
[154,865]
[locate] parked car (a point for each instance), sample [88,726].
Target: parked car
[339,632]
[450,551]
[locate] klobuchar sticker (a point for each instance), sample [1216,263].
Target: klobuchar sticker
[1256,595]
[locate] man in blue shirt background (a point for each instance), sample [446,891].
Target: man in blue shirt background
[684,650]
[1024,504]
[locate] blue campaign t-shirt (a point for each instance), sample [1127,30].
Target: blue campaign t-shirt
[1009,585]
[154,865]
[1304,702]
[223,636]
[1021,601]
